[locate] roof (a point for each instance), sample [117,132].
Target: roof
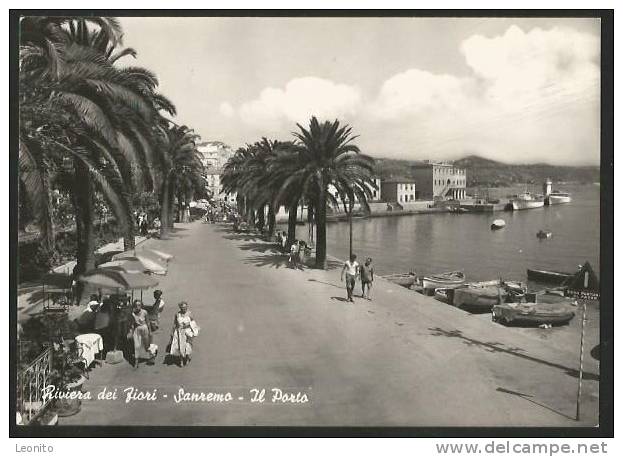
[398,181]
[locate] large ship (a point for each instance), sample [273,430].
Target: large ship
[526,200]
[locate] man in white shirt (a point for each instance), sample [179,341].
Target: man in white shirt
[351,268]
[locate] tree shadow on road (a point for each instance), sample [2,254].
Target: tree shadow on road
[260,247]
[514,351]
[243,237]
[267,260]
[327,283]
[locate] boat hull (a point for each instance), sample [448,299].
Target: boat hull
[450,280]
[518,205]
[478,300]
[553,277]
[404,280]
[533,314]
[558,199]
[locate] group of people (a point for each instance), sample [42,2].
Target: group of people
[112,317]
[298,249]
[353,270]
[143,224]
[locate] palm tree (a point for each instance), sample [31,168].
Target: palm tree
[138,151]
[182,175]
[100,118]
[234,175]
[324,155]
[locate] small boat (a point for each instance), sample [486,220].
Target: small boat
[402,279]
[543,234]
[498,224]
[557,198]
[533,314]
[526,201]
[448,280]
[480,297]
[444,295]
[553,277]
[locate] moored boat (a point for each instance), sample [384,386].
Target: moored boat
[533,314]
[402,279]
[526,201]
[444,295]
[448,280]
[557,198]
[543,234]
[498,224]
[481,299]
[553,277]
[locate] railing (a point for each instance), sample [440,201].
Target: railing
[30,384]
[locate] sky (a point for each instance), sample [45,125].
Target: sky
[517,90]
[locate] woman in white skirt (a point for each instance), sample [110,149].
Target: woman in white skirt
[185,329]
[140,334]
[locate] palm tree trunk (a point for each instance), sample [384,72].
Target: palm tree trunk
[129,241]
[171,220]
[271,221]
[292,223]
[165,209]
[310,222]
[321,229]
[84,207]
[261,219]
[180,208]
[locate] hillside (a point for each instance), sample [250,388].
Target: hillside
[490,173]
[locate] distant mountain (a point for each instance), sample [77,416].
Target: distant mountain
[490,173]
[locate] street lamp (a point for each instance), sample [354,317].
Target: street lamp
[350,229]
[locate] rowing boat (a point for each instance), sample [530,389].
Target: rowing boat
[533,314]
[448,280]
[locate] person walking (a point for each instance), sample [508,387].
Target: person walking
[184,330]
[141,335]
[294,254]
[351,268]
[367,278]
[155,310]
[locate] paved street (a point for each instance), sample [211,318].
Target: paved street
[400,360]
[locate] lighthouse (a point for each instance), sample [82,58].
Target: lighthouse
[547,190]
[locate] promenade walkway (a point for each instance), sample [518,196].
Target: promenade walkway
[399,360]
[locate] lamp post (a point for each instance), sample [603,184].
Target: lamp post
[350,229]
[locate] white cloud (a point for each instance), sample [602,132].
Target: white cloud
[416,92]
[226,109]
[300,99]
[532,96]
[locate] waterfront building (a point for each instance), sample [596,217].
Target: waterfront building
[214,155]
[400,190]
[440,180]
[375,192]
